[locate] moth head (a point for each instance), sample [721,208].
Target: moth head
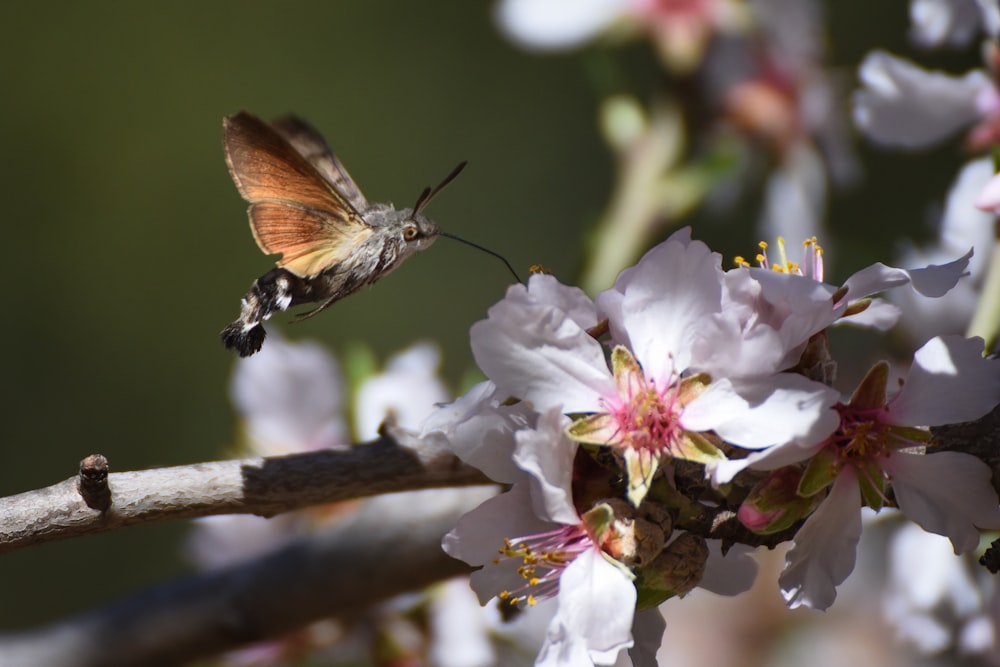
[418,231]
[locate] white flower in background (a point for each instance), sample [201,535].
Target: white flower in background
[469,635]
[904,105]
[680,30]
[940,23]
[407,391]
[931,597]
[556,24]
[962,226]
[291,398]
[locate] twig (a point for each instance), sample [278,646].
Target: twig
[263,486]
[390,545]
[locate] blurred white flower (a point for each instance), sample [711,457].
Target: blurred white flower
[930,595]
[290,397]
[904,105]
[407,390]
[939,23]
[680,30]
[962,226]
[556,24]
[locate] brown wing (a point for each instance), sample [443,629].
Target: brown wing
[311,145]
[286,189]
[309,240]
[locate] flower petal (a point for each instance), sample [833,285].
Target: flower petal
[948,493]
[655,307]
[934,280]
[949,382]
[480,431]
[535,352]
[780,409]
[479,534]
[647,631]
[825,548]
[547,453]
[729,574]
[597,604]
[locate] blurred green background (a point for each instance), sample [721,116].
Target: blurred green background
[127,246]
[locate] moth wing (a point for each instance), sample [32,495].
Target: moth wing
[266,167]
[311,145]
[309,240]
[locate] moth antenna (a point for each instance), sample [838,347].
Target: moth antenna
[476,245]
[428,194]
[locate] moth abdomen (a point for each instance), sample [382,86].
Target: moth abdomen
[244,341]
[274,291]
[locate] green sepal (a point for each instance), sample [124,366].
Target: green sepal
[598,520]
[872,485]
[870,394]
[820,473]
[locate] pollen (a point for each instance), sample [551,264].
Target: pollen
[648,418]
[543,558]
[811,265]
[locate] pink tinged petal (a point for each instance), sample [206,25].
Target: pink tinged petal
[949,382]
[535,352]
[556,24]
[907,106]
[825,548]
[766,320]
[783,408]
[596,602]
[546,453]
[492,579]
[573,301]
[948,493]
[479,534]
[879,315]
[672,288]
[989,198]
[480,432]
[647,631]
[934,280]
[731,574]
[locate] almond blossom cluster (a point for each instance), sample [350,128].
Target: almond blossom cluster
[650,437]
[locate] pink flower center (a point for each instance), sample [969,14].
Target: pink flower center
[863,437]
[647,418]
[544,556]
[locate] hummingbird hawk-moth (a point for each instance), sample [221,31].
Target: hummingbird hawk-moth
[305,206]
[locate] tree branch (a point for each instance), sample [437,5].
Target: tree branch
[390,545]
[264,486]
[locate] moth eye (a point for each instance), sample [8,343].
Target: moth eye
[410,232]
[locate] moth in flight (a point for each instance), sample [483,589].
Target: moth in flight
[305,206]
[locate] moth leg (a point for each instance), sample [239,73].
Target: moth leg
[315,311]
